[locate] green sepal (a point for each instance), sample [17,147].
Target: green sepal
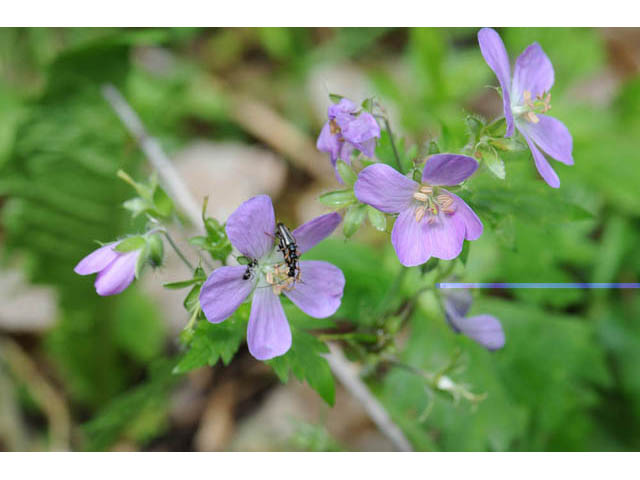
[338,198]
[335,98]
[493,161]
[347,174]
[156,249]
[184,283]
[377,219]
[353,219]
[130,244]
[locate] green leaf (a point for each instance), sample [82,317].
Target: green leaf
[211,342]
[306,362]
[377,219]
[353,219]
[338,198]
[347,174]
[335,98]
[367,104]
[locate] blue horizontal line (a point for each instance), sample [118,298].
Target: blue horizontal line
[538,285]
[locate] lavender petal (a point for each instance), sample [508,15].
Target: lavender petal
[318,293]
[467,218]
[268,334]
[533,72]
[444,237]
[97,260]
[409,239]
[384,188]
[118,275]
[251,227]
[495,55]
[542,164]
[314,231]
[223,292]
[448,169]
[552,136]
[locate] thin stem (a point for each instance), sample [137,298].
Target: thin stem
[177,250]
[387,126]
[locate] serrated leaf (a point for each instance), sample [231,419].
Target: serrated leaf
[377,219]
[212,342]
[306,362]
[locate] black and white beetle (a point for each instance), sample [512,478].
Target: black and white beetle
[289,248]
[249,271]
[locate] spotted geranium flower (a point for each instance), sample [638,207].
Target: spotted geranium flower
[484,329]
[116,270]
[316,287]
[347,129]
[432,221]
[526,98]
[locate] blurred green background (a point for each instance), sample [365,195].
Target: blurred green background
[239,109]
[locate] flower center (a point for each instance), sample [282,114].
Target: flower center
[430,204]
[279,278]
[540,104]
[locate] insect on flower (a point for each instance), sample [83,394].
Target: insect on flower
[289,249]
[275,268]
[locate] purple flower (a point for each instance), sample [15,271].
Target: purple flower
[346,130]
[526,99]
[116,270]
[432,221]
[484,329]
[316,288]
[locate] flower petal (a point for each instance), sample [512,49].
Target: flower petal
[384,188]
[445,236]
[448,169]
[495,55]
[552,136]
[268,334]
[360,130]
[484,329]
[251,227]
[318,293]
[328,142]
[409,239]
[343,107]
[457,303]
[463,214]
[118,275]
[223,292]
[314,231]
[97,260]
[533,72]
[542,164]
